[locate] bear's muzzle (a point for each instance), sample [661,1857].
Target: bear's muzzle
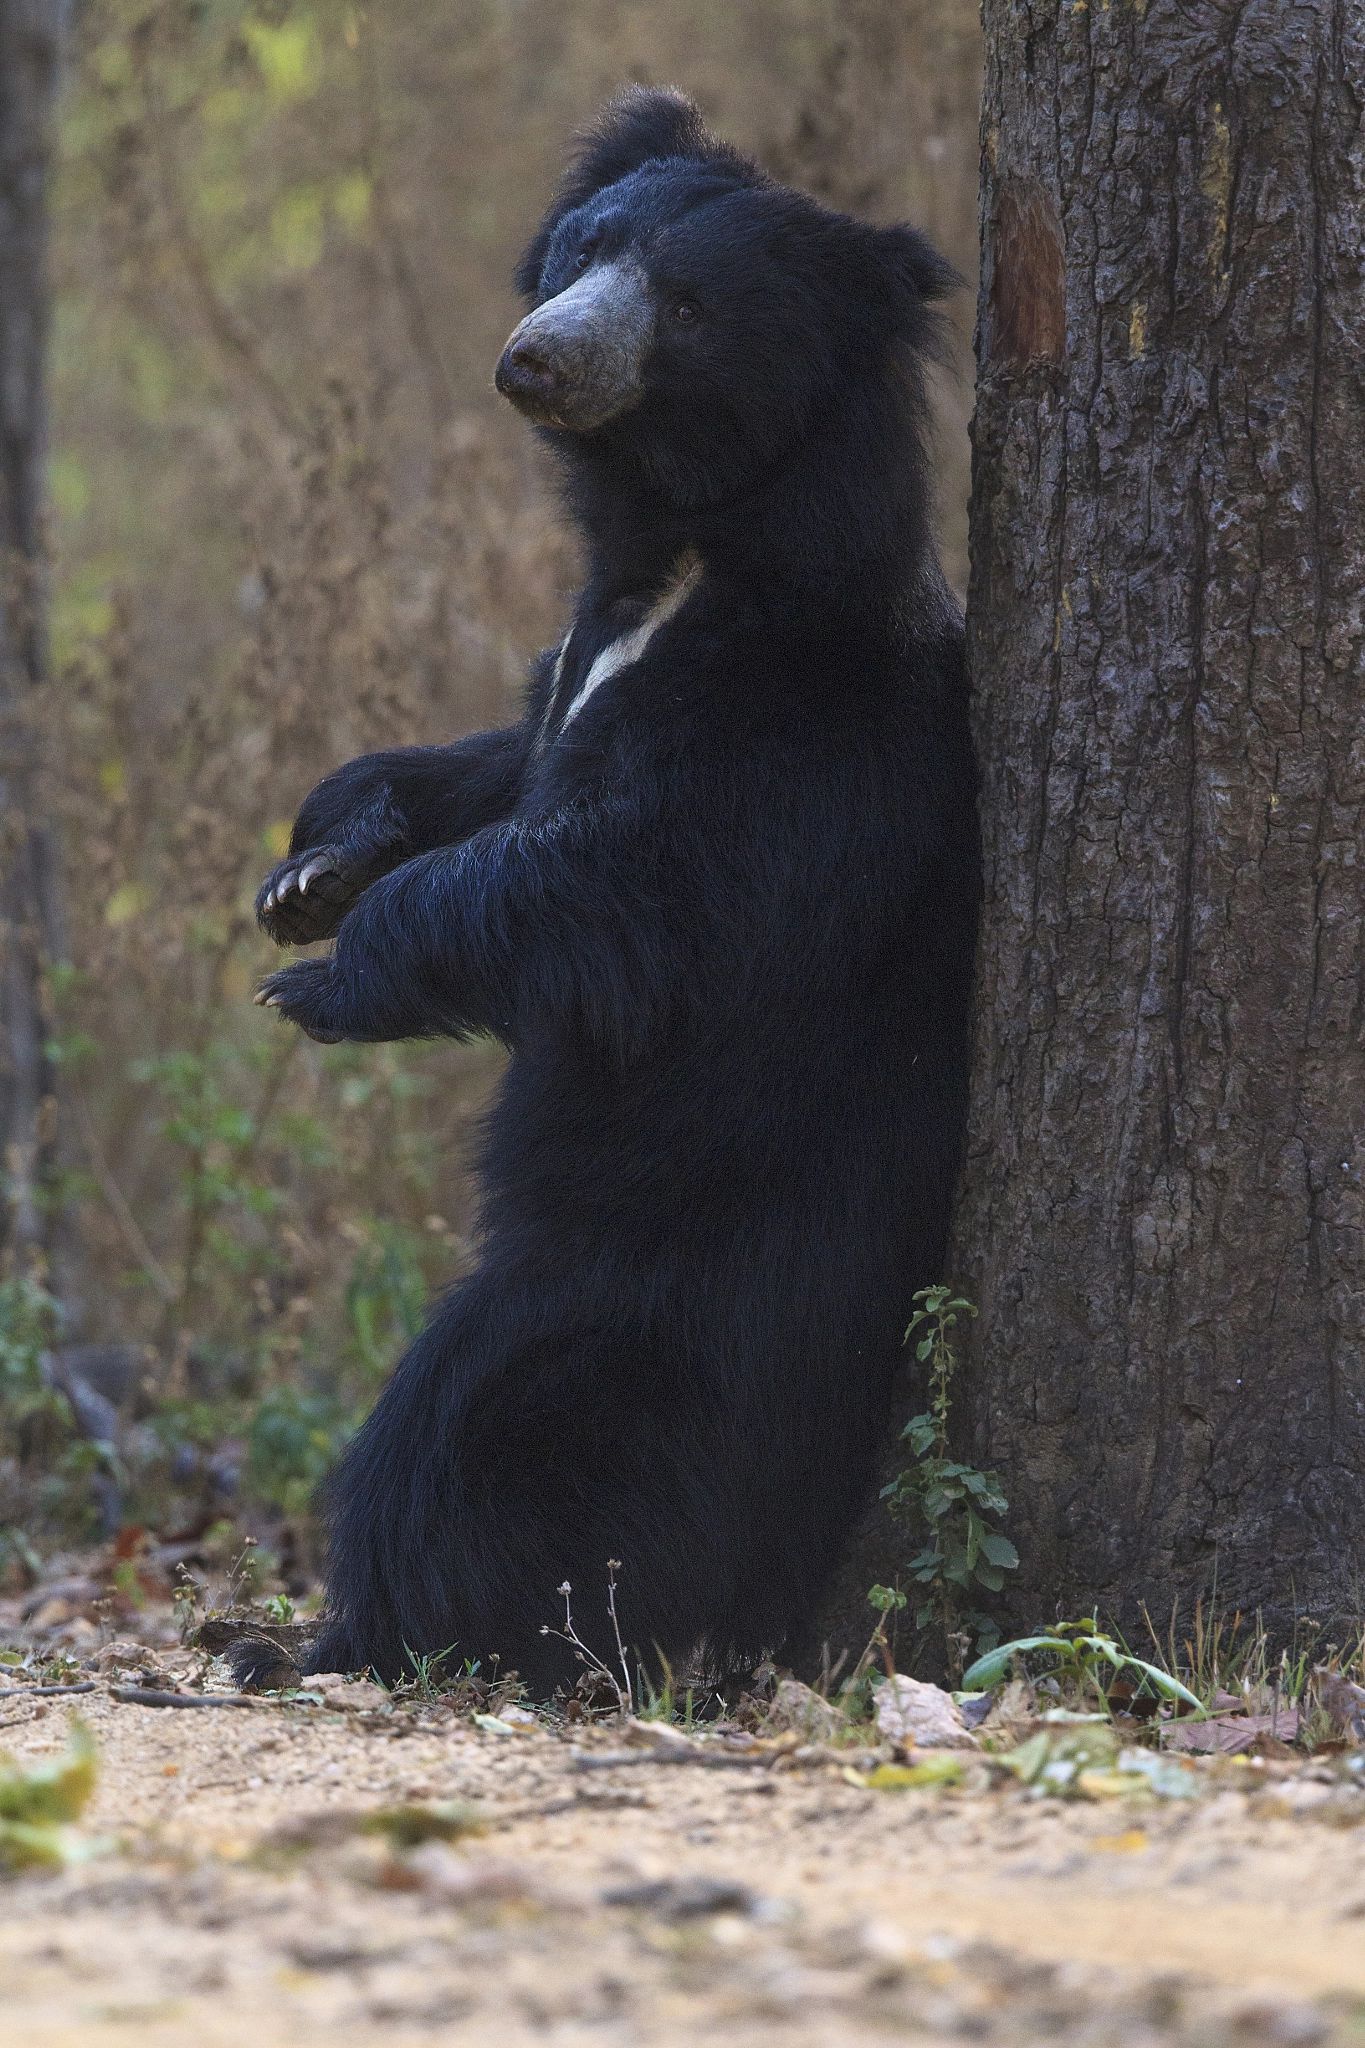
[578,361]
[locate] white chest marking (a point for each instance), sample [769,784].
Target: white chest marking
[559,660]
[621,653]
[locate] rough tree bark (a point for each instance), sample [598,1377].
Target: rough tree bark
[31,33]
[1163,1211]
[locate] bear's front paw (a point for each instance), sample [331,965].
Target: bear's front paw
[308,895]
[308,994]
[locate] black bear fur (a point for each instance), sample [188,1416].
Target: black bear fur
[724,919]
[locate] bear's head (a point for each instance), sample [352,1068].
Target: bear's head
[694,316]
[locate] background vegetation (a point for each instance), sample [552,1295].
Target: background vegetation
[290,522]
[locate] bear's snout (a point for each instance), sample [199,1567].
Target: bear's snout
[578,361]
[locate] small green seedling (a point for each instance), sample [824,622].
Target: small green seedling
[1081,1653]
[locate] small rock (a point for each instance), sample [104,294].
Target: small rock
[79,1636]
[354,1695]
[219,1633]
[796,1709]
[51,1614]
[1281,2020]
[70,1595]
[659,1735]
[1302,1795]
[121,1655]
[921,1716]
[683,1898]
[1014,1712]
[459,1880]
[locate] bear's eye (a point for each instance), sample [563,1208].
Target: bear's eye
[585,256]
[684,311]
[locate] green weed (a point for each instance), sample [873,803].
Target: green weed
[29,1405]
[952,1503]
[385,1299]
[1083,1661]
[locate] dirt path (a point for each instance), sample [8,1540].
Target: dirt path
[655,1902]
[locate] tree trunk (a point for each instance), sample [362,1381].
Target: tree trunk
[1163,1215]
[30,42]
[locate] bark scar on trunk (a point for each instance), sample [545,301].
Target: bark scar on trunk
[1027,325]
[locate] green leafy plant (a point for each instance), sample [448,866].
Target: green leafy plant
[291,1443]
[385,1298]
[886,1600]
[37,1427]
[953,1504]
[295,1434]
[222,1105]
[28,1328]
[1083,1659]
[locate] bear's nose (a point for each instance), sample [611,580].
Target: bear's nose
[530,369]
[535,362]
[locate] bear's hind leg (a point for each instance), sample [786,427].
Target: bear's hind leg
[500,1462]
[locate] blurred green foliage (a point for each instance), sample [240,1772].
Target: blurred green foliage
[28,1328]
[295,1435]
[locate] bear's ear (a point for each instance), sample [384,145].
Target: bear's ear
[908,258]
[639,126]
[899,275]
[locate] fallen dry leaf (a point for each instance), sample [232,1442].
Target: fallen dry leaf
[1344,1704]
[1231,1734]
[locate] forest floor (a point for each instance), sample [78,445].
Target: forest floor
[597,1892]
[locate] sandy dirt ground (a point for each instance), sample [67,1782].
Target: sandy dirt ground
[648,1901]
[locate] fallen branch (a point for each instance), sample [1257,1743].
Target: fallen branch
[143,1696]
[708,1760]
[36,1692]
[505,1816]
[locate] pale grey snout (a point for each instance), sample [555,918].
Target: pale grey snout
[579,359]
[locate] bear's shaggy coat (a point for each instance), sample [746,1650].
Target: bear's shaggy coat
[717,893]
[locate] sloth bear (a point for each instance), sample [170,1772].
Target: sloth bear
[717,894]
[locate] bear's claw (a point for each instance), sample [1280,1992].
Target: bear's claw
[309,894]
[324,866]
